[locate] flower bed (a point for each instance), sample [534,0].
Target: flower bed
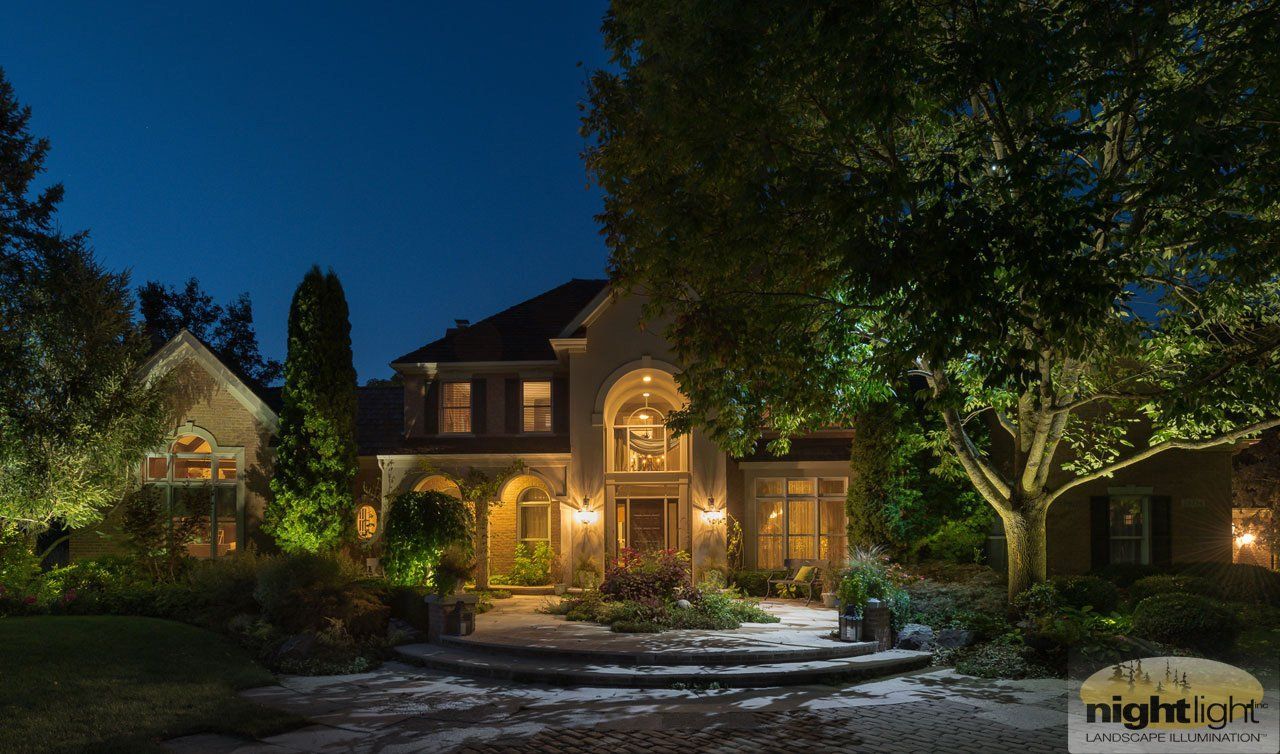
[653,591]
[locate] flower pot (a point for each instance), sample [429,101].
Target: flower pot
[829,599]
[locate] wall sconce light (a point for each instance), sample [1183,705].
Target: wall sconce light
[584,516]
[713,515]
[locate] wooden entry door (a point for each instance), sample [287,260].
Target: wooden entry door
[647,524]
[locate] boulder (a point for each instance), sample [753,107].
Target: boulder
[915,636]
[953,638]
[684,604]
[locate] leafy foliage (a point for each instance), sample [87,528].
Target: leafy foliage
[156,538]
[226,329]
[420,525]
[1082,592]
[651,575]
[315,462]
[75,411]
[1169,583]
[1059,215]
[532,567]
[709,608]
[1186,620]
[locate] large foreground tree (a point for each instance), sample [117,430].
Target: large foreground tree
[76,414]
[1061,214]
[312,504]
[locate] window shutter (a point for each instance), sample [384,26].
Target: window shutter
[511,405]
[1099,531]
[479,401]
[560,405]
[1161,530]
[431,412]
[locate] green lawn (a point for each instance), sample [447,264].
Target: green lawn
[104,683]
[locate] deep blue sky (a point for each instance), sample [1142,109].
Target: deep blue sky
[428,152]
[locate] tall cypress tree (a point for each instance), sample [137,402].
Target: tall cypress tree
[316,453]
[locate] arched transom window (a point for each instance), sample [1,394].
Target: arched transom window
[641,440]
[200,484]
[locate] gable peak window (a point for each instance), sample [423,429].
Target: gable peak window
[455,407]
[535,403]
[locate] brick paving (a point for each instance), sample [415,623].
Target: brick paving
[399,708]
[926,727]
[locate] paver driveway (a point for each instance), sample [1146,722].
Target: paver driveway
[402,709]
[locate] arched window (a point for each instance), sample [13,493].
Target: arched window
[201,489]
[533,516]
[437,483]
[641,439]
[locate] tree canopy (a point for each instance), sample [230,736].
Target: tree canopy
[1061,214]
[226,329]
[76,413]
[313,500]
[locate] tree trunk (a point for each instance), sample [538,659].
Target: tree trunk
[482,545]
[1024,533]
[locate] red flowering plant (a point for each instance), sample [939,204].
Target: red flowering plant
[657,574]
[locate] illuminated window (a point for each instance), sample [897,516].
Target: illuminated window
[201,492]
[536,406]
[641,439]
[455,407]
[534,517]
[366,522]
[802,518]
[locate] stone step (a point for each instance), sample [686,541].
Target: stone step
[568,672]
[760,654]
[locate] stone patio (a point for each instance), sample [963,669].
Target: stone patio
[399,709]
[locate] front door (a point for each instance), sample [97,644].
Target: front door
[647,524]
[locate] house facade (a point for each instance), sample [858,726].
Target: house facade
[574,386]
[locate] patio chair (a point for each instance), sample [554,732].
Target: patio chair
[801,573]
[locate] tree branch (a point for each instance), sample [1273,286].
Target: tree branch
[1154,450]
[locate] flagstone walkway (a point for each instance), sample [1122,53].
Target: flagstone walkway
[399,709]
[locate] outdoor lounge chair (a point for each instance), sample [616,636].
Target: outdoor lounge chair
[801,574]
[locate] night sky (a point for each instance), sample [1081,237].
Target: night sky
[428,153]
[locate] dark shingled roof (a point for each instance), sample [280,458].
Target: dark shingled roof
[516,334]
[379,418]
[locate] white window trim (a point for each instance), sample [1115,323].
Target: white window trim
[520,505]
[1144,548]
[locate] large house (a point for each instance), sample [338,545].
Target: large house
[570,383]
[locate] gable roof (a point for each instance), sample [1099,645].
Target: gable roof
[186,344]
[520,333]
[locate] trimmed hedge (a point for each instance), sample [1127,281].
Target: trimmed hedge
[1124,574]
[1186,620]
[1088,591]
[1238,582]
[1167,584]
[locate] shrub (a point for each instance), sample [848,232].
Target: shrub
[646,575]
[753,583]
[532,568]
[1166,584]
[452,569]
[968,597]
[1239,582]
[999,659]
[420,525]
[1186,620]
[305,592]
[1124,574]
[960,540]
[1088,591]
[1038,601]
[869,576]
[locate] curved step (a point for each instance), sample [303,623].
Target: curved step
[765,654]
[566,672]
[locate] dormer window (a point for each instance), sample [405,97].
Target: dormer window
[536,406]
[455,408]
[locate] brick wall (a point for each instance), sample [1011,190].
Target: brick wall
[204,402]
